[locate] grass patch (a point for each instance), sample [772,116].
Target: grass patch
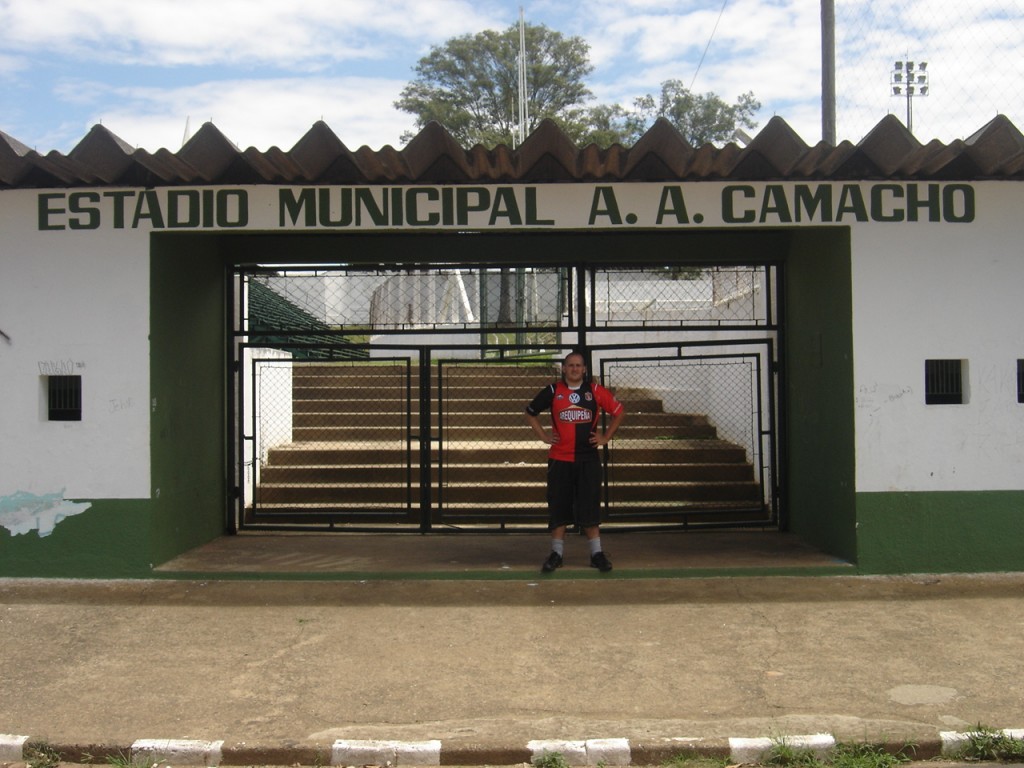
[41,756]
[841,756]
[868,756]
[550,760]
[785,754]
[984,743]
[690,759]
[142,759]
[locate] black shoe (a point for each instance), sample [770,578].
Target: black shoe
[600,561]
[554,561]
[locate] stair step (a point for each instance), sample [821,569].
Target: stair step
[498,403]
[665,452]
[394,429]
[489,420]
[475,493]
[508,474]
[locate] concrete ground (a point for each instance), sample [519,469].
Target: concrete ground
[460,555]
[320,650]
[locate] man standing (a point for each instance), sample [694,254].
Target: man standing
[574,466]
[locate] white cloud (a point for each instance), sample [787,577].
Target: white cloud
[260,113]
[201,32]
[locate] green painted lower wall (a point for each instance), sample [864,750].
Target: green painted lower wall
[109,540]
[940,532]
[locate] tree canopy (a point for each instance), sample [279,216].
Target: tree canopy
[701,118]
[469,85]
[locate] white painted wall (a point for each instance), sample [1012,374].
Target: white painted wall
[940,291]
[80,298]
[80,301]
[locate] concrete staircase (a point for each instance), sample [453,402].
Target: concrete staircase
[355,453]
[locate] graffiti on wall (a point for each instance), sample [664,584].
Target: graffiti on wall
[22,512]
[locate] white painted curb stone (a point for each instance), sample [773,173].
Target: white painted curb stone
[753,750]
[574,752]
[12,748]
[608,752]
[375,752]
[181,751]
[589,752]
[952,741]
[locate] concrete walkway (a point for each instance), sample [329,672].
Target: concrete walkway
[487,671]
[455,554]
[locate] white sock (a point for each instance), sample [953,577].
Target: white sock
[557,545]
[595,545]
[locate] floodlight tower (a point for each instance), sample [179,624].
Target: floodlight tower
[910,81]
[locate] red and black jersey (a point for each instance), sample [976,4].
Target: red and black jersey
[574,414]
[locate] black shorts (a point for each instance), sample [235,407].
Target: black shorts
[574,493]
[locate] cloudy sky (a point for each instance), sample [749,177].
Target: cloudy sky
[263,71]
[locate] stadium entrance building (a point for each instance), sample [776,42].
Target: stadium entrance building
[821,341]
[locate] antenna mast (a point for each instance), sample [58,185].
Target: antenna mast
[524,109]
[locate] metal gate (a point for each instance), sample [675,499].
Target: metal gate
[392,398]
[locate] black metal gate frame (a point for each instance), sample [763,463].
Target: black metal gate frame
[411,438]
[582,323]
[767,434]
[421,513]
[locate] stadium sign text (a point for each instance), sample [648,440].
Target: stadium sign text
[552,206]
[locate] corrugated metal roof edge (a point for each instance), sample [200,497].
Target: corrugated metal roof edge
[889,151]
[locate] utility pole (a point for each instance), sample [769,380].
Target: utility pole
[828,71]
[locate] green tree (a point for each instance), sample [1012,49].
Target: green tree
[470,84]
[701,118]
[603,124]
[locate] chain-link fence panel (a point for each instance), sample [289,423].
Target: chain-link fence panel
[692,442]
[334,440]
[381,300]
[689,450]
[964,63]
[673,296]
[491,465]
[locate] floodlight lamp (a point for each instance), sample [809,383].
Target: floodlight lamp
[924,90]
[923,66]
[895,90]
[899,65]
[910,66]
[898,77]
[922,78]
[910,90]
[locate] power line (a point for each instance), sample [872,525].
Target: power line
[712,37]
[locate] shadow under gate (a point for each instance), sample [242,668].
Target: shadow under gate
[407,414]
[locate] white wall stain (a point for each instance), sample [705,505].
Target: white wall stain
[22,512]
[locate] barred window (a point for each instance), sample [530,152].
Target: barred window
[943,382]
[64,398]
